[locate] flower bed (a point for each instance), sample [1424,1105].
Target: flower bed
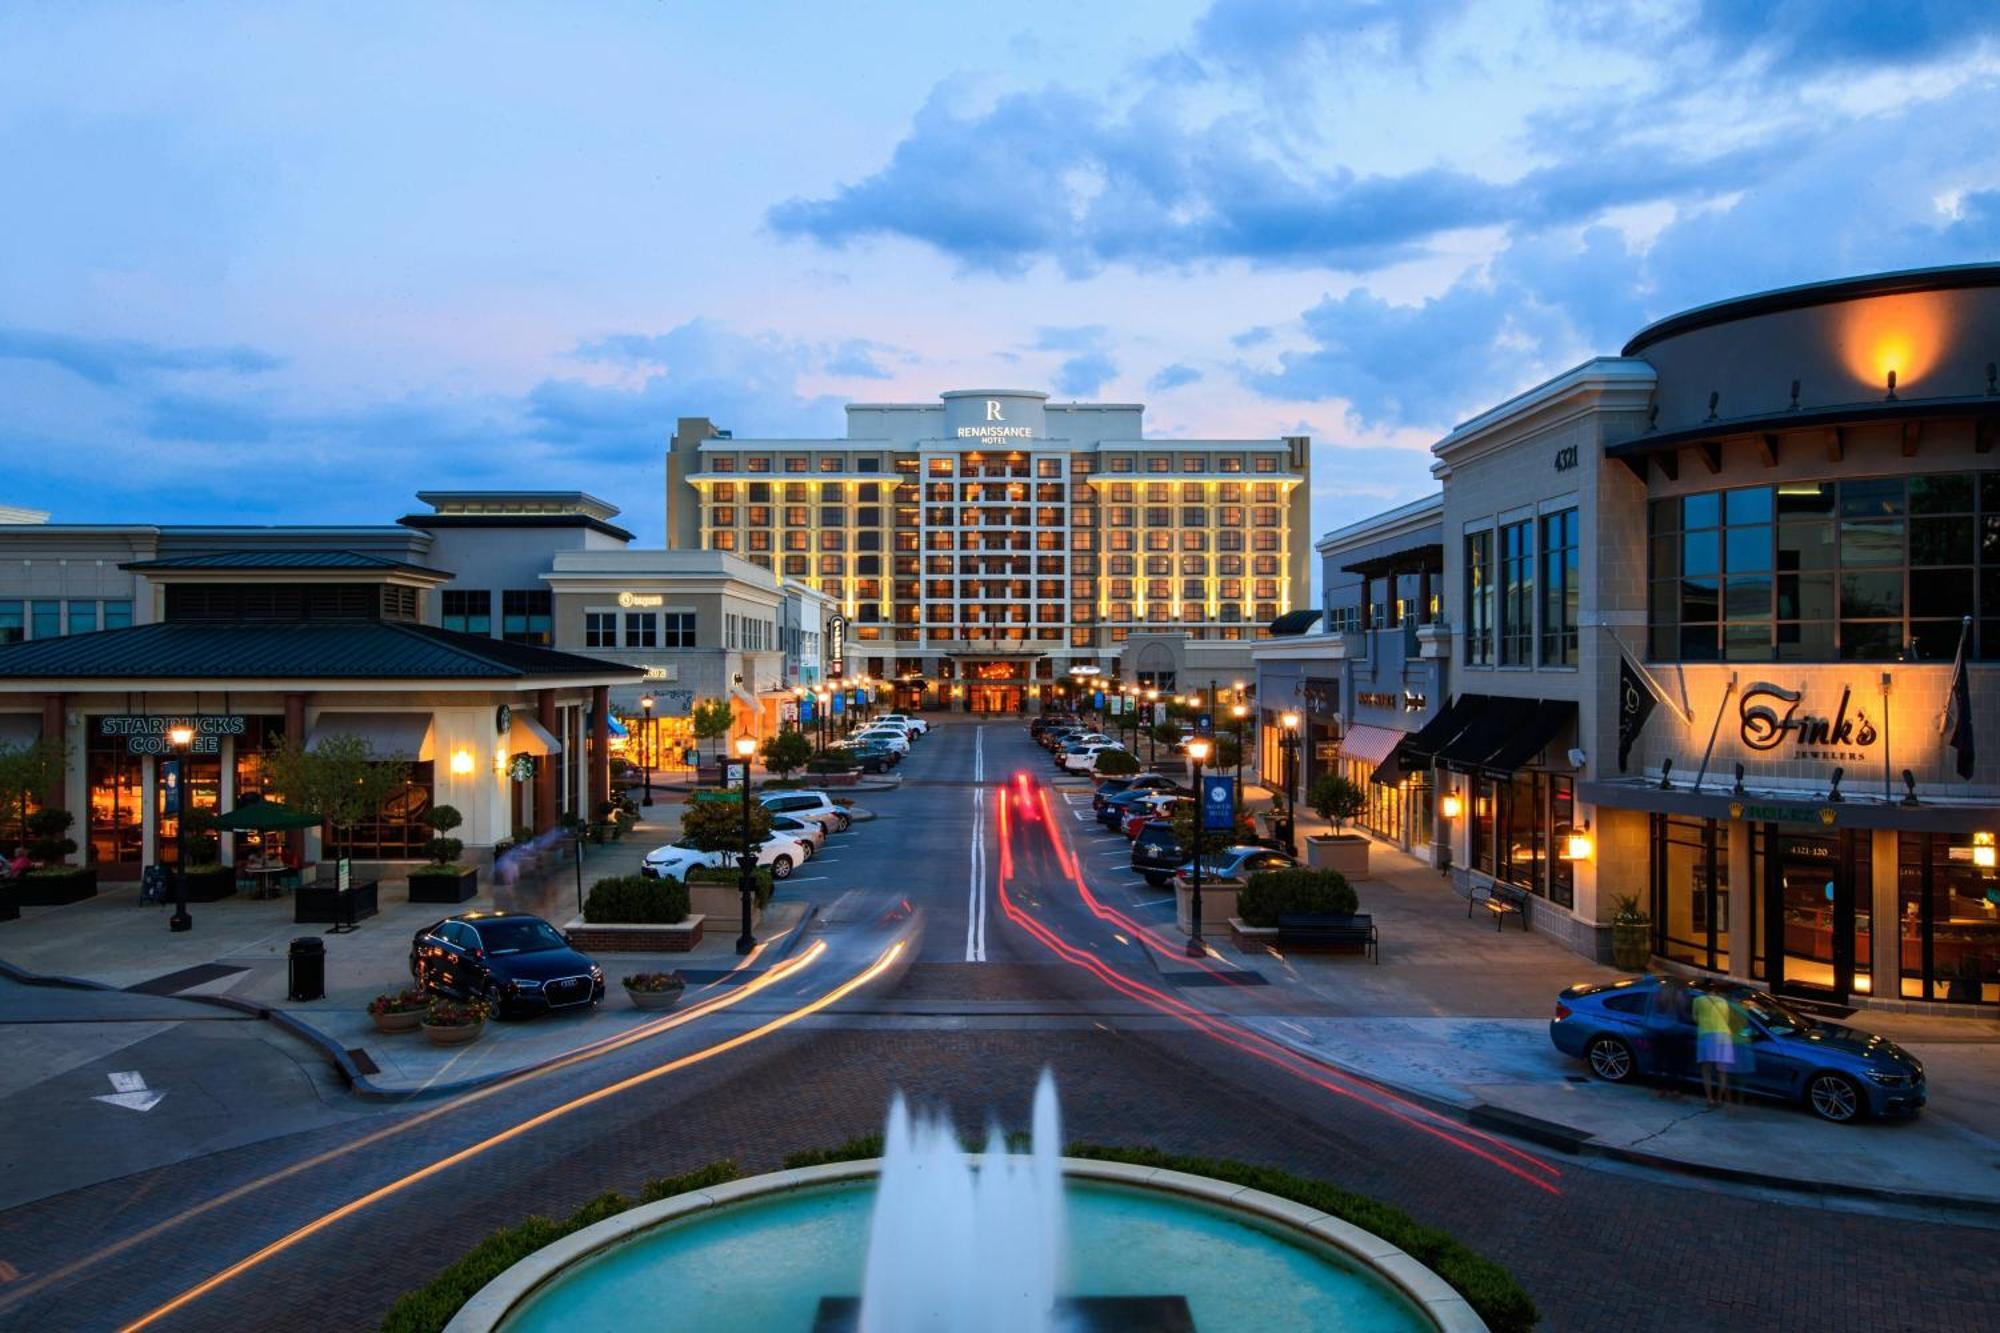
[400,1011]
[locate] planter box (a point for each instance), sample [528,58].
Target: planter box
[208,886]
[455,1035]
[1345,852]
[677,938]
[443,886]
[409,1020]
[1217,906]
[1253,937]
[72,886]
[323,904]
[657,1000]
[723,902]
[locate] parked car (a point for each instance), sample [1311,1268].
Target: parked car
[893,738]
[1154,805]
[1157,853]
[514,962]
[916,724]
[1644,1026]
[808,831]
[1056,738]
[814,804]
[1049,722]
[1232,868]
[871,756]
[1112,794]
[780,853]
[1082,757]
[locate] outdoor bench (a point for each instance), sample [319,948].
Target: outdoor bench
[1331,932]
[1500,900]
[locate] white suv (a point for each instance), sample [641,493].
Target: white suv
[808,805]
[894,737]
[916,725]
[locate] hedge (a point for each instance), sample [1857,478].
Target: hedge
[1271,894]
[762,885]
[635,900]
[429,1308]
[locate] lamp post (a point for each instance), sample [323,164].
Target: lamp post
[183,743]
[1152,736]
[1289,743]
[745,747]
[646,702]
[1239,711]
[824,697]
[1197,751]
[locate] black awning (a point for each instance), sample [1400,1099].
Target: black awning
[1548,721]
[1293,622]
[1414,753]
[1492,726]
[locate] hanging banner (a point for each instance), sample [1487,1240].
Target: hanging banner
[1635,704]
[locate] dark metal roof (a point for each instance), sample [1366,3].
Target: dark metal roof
[310,559]
[428,521]
[1814,293]
[294,650]
[1975,407]
[1293,622]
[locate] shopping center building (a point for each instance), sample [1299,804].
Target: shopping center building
[1703,607]
[981,546]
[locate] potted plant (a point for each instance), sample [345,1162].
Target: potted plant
[655,990]
[53,882]
[1631,934]
[1337,800]
[444,880]
[454,1022]
[209,882]
[399,1011]
[1967,983]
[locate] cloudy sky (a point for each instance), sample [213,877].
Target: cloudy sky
[279,263]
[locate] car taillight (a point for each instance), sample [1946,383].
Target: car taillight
[1562,1011]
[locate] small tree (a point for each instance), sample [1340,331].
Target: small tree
[48,836]
[1116,763]
[786,751]
[1336,799]
[1228,753]
[717,826]
[443,849]
[711,719]
[26,773]
[341,781]
[1166,733]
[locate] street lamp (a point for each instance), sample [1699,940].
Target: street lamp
[1197,751]
[646,702]
[1289,741]
[745,747]
[1239,711]
[1152,721]
[824,697]
[182,738]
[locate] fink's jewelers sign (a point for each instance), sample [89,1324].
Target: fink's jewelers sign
[152,733]
[1772,718]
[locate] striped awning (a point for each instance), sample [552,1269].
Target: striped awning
[1370,745]
[405,736]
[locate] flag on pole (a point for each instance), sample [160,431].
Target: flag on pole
[1635,704]
[1959,715]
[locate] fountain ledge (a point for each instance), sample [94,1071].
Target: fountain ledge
[491,1305]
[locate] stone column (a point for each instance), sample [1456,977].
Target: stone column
[600,747]
[54,723]
[546,812]
[225,801]
[1885,938]
[295,734]
[149,811]
[1742,896]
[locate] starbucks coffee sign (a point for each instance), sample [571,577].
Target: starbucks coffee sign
[152,733]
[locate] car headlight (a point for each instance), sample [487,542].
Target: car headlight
[524,985]
[1892,1078]
[596,972]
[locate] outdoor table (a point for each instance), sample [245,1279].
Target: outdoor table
[266,878]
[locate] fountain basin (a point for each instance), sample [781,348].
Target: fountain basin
[760,1253]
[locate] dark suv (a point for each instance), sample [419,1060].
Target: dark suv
[514,962]
[1102,799]
[1157,854]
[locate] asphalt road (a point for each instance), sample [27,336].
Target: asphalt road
[981,967]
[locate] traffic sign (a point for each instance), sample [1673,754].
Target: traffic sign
[1218,804]
[737,771]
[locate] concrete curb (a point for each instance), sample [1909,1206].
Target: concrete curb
[1583,1144]
[1393,1267]
[361,1085]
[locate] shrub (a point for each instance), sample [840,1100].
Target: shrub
[762,885]
[786,751]
[1336,799]
[717,825]
[1271,894]
[400,1002]
[833,761]
[655,982]
[1116,764]
[444,850]
[446,1013]
[634,900]
[48,836]
[1166,733]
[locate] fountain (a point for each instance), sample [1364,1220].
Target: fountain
[938,1240]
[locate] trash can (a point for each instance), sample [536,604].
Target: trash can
[308,969]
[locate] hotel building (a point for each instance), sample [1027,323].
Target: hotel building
[980,547]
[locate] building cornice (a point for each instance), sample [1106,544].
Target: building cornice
[1601,384]
[1388,524]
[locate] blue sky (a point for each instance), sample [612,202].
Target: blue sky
[291,263]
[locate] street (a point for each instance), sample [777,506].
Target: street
[968,936]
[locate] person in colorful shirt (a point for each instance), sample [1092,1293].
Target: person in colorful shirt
[1715,1026]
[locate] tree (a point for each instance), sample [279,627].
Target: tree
[1166,733]
[1336,799]
[786,751]
[712,719]
[717,826]
[340,780]
[1212,843]
[48,836]
[1228,753]
[443,849]
[27,773]
[1116,764]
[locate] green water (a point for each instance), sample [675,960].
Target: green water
[763,1265]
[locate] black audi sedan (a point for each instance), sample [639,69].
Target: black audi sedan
[516,963]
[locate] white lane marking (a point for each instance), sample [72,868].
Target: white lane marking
[975,903]
[129,1090]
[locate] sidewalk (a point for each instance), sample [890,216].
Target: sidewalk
[1456,1015]
[236,955]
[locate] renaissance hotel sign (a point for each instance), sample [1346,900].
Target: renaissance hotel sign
[995,418]
[995,426]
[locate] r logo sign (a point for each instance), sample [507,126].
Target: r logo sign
[993,410]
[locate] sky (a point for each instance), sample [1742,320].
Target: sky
[292,263]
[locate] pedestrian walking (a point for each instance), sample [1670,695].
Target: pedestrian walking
[1715,1028]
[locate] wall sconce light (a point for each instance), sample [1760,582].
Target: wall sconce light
[1666,770]
[182,737]
[1737,790]
[1290,721]
[1892,387]
[461,761]
[1833,786]
[1984,854]
[1578,844]
[500,759]
[1451,805]
[1910,788]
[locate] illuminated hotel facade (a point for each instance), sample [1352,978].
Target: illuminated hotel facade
[981,547]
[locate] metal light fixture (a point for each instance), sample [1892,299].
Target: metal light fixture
[1198,750]
[1578,844]
[1984,854]
[1666,774]
[1833,786]
[1290,721]
[1451,805]
[745,746]
[182,736]
[461,761]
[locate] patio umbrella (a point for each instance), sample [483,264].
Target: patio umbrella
[265,817]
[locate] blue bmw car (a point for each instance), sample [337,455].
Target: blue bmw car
[1645,1026]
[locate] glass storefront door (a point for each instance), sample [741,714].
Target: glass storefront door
[1812,882]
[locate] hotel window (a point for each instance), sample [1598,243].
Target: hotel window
[723,492]
[1159,541]
[1194,541]
[469,611]
[722,463]
[1264,539]
[1194,516]
[1118,463]
[832,565]
[940,467]
[833,541]
[1159,518]
[118,614]
[1194,462]
[797,516]
[1517,593]
[1048,467]
[1264,518]
[722,541]
[758,516]
[1229,564]
[1159,493]
[47,620]
[867,464]
[1120,493]
[798,541]
[12,627]
[832,516]
[869,493]
[1158,564]
[797,492]
[760,539]
[757,463]
[1159,463]
[1264,493]
[1193,565]
[82,617]
[797,566]
[600,629]
[1266,463]
[758,492]
[1479,598]
[723,516]
[868,516]
[831,462]
[1230,516]
[1561,588]
[797,463]
[526,615]
[1228,540]
[1229,463]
